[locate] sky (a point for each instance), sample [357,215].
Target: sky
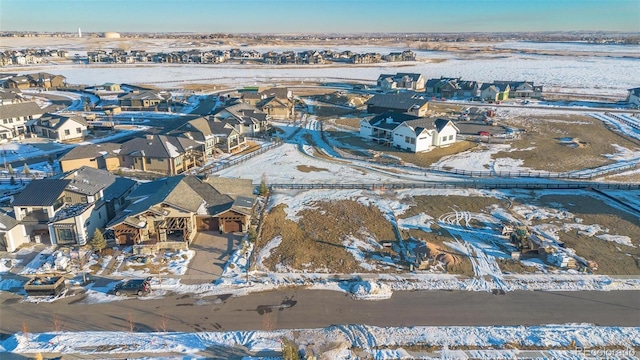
[319,16]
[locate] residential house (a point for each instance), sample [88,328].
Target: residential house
[169,212]
[98,156]
[145,100]
[247,119]
[12,232]
[412,103]
[46,80]
[168,155]
[90,185]
[37,204]
[522,89]
[434,86]
[14,118]
[10,96]
[216,136]
[18,82]
[633,98]
[494,92]
[66,209]
[468,89]
[449,89]
[59,127]
[409,132]
[406,55]
[407,81]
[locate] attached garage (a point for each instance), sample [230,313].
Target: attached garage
[232,226]
[207,223]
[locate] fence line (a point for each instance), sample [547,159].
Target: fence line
[241,159]
[461,185]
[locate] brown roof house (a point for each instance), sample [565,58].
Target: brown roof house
[168,155]
[169,212]
[145,100]
[277,103]
[247,119]
[98,156]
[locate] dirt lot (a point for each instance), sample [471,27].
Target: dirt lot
[315,241]
[565,142]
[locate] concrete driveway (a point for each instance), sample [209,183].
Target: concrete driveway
[212,253]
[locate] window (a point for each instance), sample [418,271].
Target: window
[78,130]
[65,236]
[4,121]
[67,199]
[10,121]
[161,160]
[67,132]
[444,138]
[450,137]
[83,198]
[147,160]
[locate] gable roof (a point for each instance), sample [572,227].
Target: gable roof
[158,146]
[634,91]
[233,187]
[41,192]
[7,221]
[216,202]
[91,151]
[22,109]
[382,120]
[89,181]
[400,101]
[55,121]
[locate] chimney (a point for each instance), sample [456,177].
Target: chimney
[389,120]
[149,136]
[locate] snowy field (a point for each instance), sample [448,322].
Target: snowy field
[570,341]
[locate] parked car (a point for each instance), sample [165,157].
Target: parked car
[133,286]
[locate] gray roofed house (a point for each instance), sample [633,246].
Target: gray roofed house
[245,118]
[41,192]
[59,127]
[413,103]
[633,97]
[10,96]
[409,81]
[14,118]
[213,134]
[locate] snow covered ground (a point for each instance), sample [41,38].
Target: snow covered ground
[562,341]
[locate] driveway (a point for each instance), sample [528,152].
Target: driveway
[212,253]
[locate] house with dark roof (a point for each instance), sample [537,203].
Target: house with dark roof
[66,209]
[246,119]
[409,81]
[434,86]
[59,127]
[215,136]
[409,132]
[170,155]
[14,118]
[169,212]
[407,102]
[46,80]
[12,232]
[10,96]
[98,156]
[18,82]
[633,97]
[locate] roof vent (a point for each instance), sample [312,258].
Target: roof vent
[149,137]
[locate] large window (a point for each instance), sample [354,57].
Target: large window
[67,132]
[65,236]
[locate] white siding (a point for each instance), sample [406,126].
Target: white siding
[400,136]
[365,129]
[447,136]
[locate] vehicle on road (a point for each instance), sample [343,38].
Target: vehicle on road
[133,287]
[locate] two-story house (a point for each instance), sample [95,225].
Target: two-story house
[163,154]
[59,127]
[14,118]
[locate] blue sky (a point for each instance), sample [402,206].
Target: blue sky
[319,16]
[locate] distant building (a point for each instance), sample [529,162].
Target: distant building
[634,97]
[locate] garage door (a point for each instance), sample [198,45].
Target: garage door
[232,226]
[207,224]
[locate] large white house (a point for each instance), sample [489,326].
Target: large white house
[408,132]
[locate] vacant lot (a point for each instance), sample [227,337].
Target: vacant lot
[612,258]
[565,142]
[315,242]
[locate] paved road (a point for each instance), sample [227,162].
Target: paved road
[319,308]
